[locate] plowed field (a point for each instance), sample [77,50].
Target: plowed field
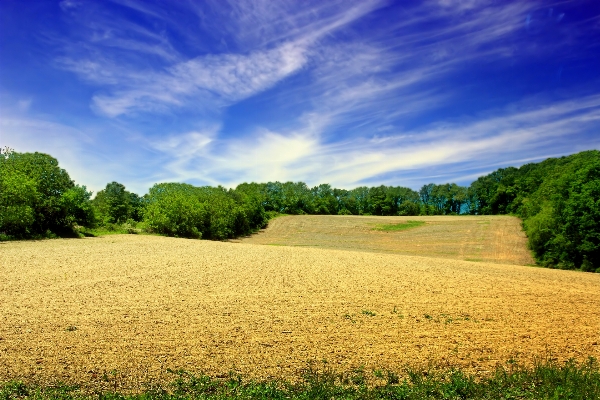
[498,239]
[132,306]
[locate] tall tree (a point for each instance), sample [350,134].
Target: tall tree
[37,196]
[115,205]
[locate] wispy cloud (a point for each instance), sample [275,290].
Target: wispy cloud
[222,79]
[212,78]
[300,154]
[276,40]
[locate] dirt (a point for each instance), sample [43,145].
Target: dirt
[126,308]
[498,239]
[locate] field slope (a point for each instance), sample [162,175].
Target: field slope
[498,239]
[131,306]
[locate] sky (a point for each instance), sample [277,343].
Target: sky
[350,93]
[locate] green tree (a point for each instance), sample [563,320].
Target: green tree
[360,197]
[324,200]
[18,196]
[180,209]
[174,209]
[558,200]
[115,205]
[37,196]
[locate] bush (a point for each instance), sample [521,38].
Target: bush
[179,209]
[173,209]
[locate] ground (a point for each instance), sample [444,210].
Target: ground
[498,239]
[132,306]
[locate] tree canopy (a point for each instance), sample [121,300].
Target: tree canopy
[38,197]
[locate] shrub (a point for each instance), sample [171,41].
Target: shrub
[174,210]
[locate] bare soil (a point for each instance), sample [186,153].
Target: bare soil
[128,307]
[498,239]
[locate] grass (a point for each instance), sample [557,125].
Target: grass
[130,227]
[399,227]
[545,380]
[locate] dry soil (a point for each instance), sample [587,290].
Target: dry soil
[128,307]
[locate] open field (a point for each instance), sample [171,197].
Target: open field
[72,309]
[498,239]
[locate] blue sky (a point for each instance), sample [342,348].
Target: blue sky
[349,93]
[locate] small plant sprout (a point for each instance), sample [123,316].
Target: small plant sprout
[392,378]
[368,313]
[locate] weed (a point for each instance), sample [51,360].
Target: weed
[350,318]
[368,313]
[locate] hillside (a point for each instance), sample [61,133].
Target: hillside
[498,239]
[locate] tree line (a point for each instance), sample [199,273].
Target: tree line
[558,200]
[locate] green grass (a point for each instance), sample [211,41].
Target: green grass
[546,380]
[399,227]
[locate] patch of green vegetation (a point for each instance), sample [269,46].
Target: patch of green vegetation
[545,380]
[349,318]
[368,313]
[130,227]
[399,227]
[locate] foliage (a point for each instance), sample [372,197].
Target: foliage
[545,380]
[183,210]
[296,198]
[38,198]
[559,201]
[173,209]
[115,205]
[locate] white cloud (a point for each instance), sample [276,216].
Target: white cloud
[93,156]
[303,155]
[213,79]
[447,152]
[221,79]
